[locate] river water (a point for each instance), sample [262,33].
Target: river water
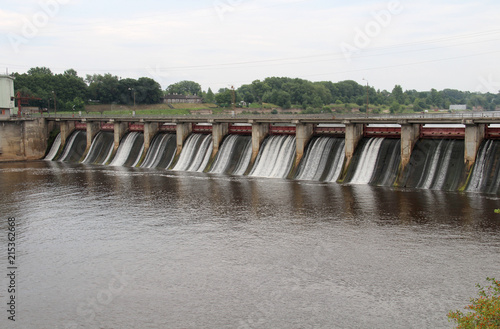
[115,247]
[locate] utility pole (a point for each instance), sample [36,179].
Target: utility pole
[133,93]
[55,102]
[366,109]
[233,98]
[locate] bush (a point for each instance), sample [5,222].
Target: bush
[485,309]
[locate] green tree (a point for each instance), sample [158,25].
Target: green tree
[395,107]
[224,97]
[210,97]
[485,309]
[40,70]
[259,88]
[397,94]
[184,88]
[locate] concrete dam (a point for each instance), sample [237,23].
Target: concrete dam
[459,154]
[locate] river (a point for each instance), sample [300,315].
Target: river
[115,247]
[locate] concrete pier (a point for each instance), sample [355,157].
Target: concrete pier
[353,133]
[150,130]
[410,134]
[303,134]
[474,135]
[120,128]
[219,131]
[182,131]
[259,132]
[66,128]
[92,129]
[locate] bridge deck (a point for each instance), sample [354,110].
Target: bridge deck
[427,118]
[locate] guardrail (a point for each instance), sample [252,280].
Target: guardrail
[278,117]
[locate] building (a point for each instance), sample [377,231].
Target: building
[458,107]
[6,96]
[175,98]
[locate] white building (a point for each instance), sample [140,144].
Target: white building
[458,107]
[6,96]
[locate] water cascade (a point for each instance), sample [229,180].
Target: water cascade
[365,160]
[55,147]
[101,148]
[387,165]
[75,147]
[322,160]
[234,156]
[195,153]
[130,150]
[486,172]
[161,152]
[275,158]
[436,164]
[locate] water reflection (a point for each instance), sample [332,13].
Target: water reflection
[206,250]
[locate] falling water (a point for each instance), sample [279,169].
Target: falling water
[161,152]
[275,158]
[129,151]
[75,147]
[55,147]
[234,155]
[101,148]
[195,153]
[323,159]
[367,161]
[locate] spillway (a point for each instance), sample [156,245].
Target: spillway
[161,153]
[322,160]
[387,165]
[436,164]
[485,176]
[195,153]
[75,147]
[101,148]
[130,150]
[234,155]
[55,147]
[364,160]
[275,158]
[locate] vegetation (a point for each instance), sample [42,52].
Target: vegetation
[485,309]
[70,92]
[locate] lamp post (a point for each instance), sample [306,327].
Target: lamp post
[366,110]
[133,93]
[55,102]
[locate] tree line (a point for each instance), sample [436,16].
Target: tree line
[69,91]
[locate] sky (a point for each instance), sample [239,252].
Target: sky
[222,43]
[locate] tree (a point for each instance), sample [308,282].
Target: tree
[397,94]
[210,97]
[223,97]
[485,309]
[395,107]
[71,73]
[39,70]
[184,88]
[259,88]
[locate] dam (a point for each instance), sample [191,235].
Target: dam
[428,151]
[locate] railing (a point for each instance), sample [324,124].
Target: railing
[321,117]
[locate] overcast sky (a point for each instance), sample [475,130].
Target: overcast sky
[218,43]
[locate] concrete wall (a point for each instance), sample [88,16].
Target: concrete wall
[23,140]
